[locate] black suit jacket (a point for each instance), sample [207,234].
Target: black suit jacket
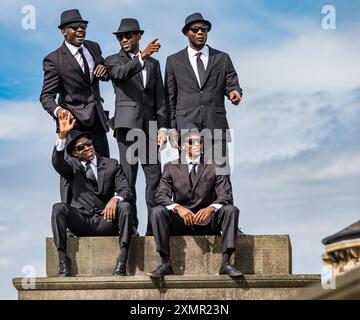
[63,76]
[86,198]
[188,102]
[134,104]
[208,188]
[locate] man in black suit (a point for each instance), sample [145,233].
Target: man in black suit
[100,203]
[73,72]
[194,200]
[140,105]
[196,80]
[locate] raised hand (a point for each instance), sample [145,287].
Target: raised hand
[66,124]
[153,46]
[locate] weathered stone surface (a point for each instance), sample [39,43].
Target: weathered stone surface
[171,287]
[191,255]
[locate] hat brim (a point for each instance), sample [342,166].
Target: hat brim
[118,32]
[62,26]
[70,146]
[186,27]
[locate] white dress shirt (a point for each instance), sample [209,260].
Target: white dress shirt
[191,163]
[193,56]
[60,146]
[90,60]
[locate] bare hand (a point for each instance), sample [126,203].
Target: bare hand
[109,211]
[152,47]
[62,110]
[174,138]
[235,97]
[203,214]
[66,124]
[161,139]
[99,71]
[186,214]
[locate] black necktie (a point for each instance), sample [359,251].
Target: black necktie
[140,73]
[192,174]
[86,66]
[90,174]
[201,68]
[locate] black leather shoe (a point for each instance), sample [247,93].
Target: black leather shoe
[64,267]
[120,269]
[230,270]
[162,270]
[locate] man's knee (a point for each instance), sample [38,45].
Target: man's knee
[157,213]
[124,208]
[60,208]
[231,210]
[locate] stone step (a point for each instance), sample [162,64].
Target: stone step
[190,255]
[170,287]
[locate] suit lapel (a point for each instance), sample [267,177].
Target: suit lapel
[209,65]
[71,59]
[188,67]
[136,79]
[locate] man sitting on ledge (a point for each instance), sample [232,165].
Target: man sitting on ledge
[100,204]
[193,200]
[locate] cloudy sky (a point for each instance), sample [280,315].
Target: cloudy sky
[297,147]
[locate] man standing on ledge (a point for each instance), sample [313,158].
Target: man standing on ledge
[196,80]
[73,72]
[140,105]
[100,203]
[194,200]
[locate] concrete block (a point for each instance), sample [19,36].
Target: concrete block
[190,255]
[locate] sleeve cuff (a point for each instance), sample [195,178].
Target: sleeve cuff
[56,110]
[171,206]
[217,206]
[119,197]
[60,144]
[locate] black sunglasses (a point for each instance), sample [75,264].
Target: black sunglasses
[76,26]
[82,146]
[193,141]
[195,29]
[127,35]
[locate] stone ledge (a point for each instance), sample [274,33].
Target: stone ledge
[191,255]
[170,287]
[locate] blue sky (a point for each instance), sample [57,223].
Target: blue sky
[297,149]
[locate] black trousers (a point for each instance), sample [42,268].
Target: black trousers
[101,146]
[152,172]
[65,216]
[166,223]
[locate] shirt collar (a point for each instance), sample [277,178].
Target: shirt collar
[192,52]
[73,49]
[93,161]
[132,56]
[193,161]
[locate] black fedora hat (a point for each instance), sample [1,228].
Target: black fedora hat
[68,16]
[128,25]
[73,136]
[195,17]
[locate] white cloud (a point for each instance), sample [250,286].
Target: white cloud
[312,60]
